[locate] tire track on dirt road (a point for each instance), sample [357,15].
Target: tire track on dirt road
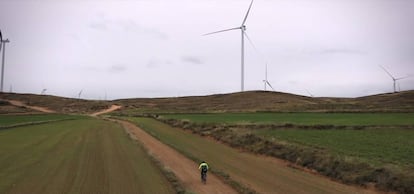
[185,169]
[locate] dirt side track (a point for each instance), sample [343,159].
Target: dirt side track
[36,108]
[185,169]
[111,109]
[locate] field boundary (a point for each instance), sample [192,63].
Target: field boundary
[338,168]
[34,123]
[292,126]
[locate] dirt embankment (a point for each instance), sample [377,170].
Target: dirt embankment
[185,169]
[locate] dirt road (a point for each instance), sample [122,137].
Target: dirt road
[37,108]
[185,169]
[112,108]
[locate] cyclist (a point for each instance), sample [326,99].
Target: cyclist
[203,167]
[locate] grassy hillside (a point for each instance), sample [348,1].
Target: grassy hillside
[260,101]
[252,101]
[58,104]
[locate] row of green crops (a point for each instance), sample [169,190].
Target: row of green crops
[76,156]
[349,119]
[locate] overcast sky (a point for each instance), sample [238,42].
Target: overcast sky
[155,48]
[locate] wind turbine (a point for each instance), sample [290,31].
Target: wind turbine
[79,94]
[242,28]
[266,82]
[43,91]
[310,94]
[393,78]
[1,40]
[2,44]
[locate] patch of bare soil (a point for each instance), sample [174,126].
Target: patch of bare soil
[185,169]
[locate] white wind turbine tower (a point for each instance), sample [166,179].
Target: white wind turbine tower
[2,45]
[393,78]
[266,82]
[242,28]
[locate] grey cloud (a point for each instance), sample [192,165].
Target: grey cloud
[192,60]
[330,51]
[98,25]
[343,51]
[100,22]
[155,62]
[117,68]
[130,25]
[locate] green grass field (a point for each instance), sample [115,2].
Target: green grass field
[349,119]
[378,146]
[76,156]
[375,146]
[8,120]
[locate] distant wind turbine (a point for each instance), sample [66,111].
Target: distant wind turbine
[79,94]
[266,82]
[310,94]
[2,45]
[393,78]
[242,28]
[43,91]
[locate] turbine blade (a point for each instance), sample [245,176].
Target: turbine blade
[387,72]
[255,48]
[270,85]
[309,93]
[247,14]
[1,40]
[402,77]
[251,42]
[221,31]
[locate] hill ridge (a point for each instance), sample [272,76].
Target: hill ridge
[249,101]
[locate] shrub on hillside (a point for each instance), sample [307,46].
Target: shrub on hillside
[4,103]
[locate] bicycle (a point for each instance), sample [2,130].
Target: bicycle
[204,177]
